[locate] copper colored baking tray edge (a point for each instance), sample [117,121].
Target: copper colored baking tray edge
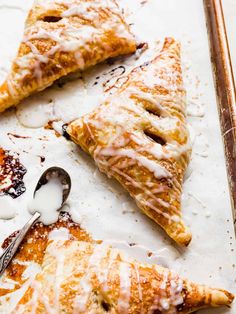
[225,88]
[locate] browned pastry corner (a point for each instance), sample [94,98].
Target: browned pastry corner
[80,277]
[32,250]
[62,36]
[139,136]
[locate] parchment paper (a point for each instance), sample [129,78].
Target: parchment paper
[100,204]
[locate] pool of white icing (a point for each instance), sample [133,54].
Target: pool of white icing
[100,204]
[47,201]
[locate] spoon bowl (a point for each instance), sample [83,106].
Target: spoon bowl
[59,173]
[50,173]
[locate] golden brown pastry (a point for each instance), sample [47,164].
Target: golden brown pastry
[80,277]
[62,36]
[32,251]
[139,136]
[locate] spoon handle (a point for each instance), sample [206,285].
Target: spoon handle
[10,251]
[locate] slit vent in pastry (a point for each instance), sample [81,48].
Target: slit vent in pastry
[62,36]
[139,136]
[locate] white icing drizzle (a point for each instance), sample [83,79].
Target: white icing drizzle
[169,286]
[84,8]
[10,300]
[81,301]
[37,288]
[125,287]
[100,251]
[58,280]
[112,257]
[43,297]
[170,150]
[139,288]
[159,171]
[123,124]
[8,283]
[146,96]
[68,38]
[176,288]
[11,88]
[171,84]
[59,234]
[147,192]
[170,294]
[34,299]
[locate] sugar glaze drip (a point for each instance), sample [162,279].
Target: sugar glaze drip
[99,267]
[144,123]
[67,37]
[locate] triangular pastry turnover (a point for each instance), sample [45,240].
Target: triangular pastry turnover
[80,277]
[62,36]
[139,136]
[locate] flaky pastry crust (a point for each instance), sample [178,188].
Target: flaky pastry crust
[63,36]
[80,277]
[139,136]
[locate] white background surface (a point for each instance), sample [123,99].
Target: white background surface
[102,207]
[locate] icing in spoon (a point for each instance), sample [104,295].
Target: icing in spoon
[51,192]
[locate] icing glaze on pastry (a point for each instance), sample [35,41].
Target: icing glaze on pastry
[63,253]
[61,37]
[139,136]
[80,277]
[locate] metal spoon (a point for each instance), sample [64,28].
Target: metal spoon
[52,172]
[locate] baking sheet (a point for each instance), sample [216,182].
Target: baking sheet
[229,7]
[225,87]
[106,211]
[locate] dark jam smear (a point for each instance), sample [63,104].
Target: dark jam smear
[64,132]
[11,174]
